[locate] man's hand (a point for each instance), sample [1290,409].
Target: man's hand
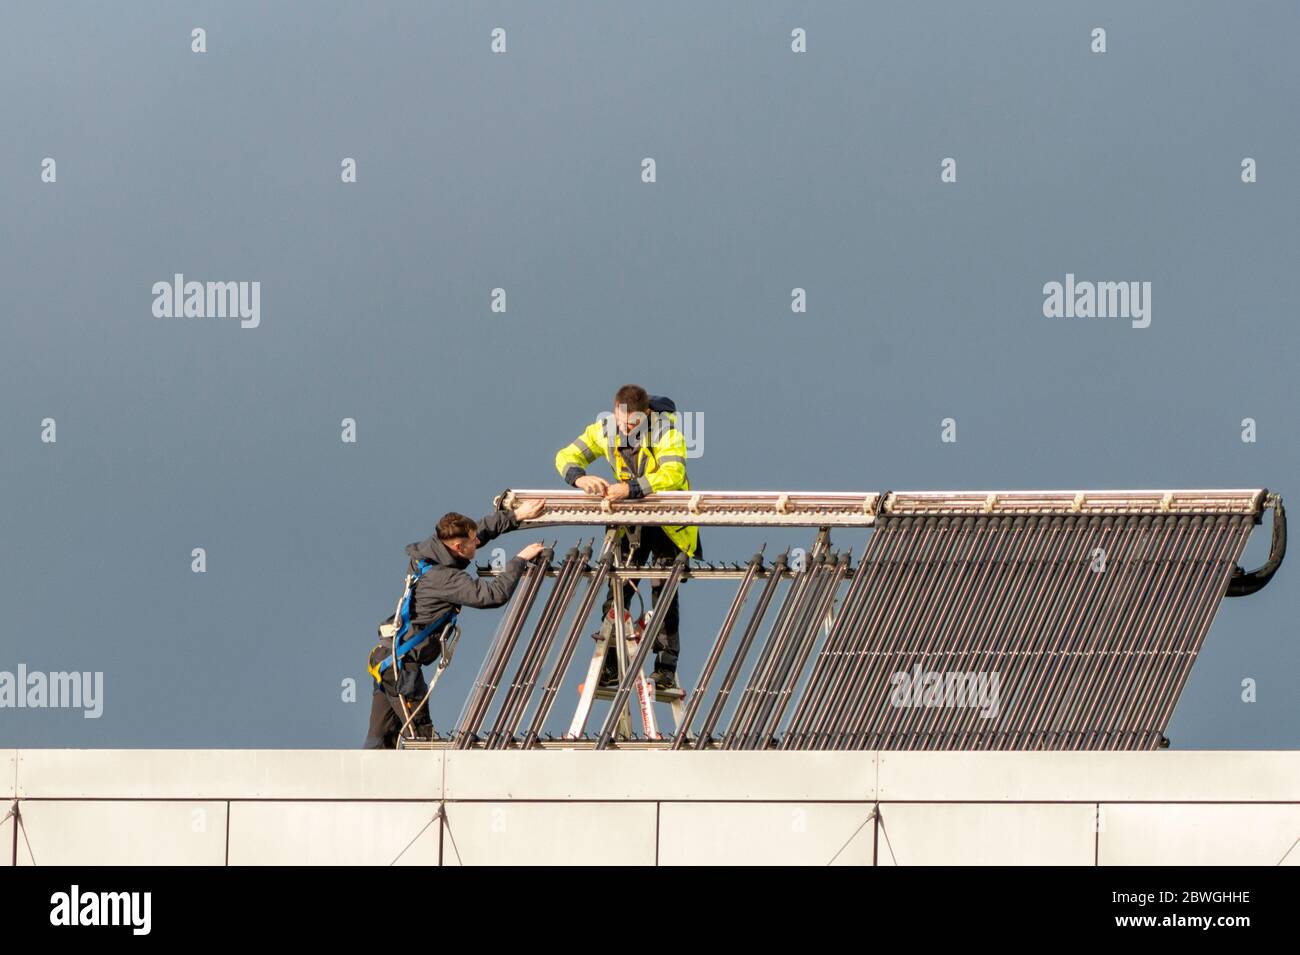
[617,492]
[529,510]
[592,484]
[531,551]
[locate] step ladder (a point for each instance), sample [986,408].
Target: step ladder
[626,633]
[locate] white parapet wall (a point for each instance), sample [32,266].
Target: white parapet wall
[349,807]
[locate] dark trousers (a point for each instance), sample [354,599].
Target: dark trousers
[387,715]
[654,543]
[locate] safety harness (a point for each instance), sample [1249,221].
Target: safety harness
[403,641]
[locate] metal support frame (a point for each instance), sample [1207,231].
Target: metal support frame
[715,654]
[553,682]
[801,647]
[714,714]
[739,734]
[517,696]
[611,631]
[480,699]
[634,672]
[959,580]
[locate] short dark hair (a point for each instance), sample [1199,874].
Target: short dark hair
[632,397]
[452,525]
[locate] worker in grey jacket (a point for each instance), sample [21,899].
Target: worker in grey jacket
[443,588]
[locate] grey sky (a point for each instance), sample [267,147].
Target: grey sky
[522,171]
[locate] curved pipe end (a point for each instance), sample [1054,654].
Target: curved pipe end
[1243,582]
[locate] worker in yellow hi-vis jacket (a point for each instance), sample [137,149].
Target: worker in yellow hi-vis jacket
[647,453]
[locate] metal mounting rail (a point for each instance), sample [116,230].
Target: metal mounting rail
[864,508]
[1241,501]
[725,508]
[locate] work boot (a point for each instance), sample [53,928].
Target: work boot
[609,669]
[664,679]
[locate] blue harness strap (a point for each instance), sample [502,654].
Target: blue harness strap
[415,641]
[402,647]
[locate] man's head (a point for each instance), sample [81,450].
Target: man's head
[631,408]
[458,534]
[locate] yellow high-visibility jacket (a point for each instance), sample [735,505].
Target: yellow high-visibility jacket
[660,463]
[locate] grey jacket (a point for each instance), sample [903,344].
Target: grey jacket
[447,586]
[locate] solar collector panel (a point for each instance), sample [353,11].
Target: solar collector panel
[1013,620]
[1084,654]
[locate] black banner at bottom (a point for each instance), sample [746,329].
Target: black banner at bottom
[335,905]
